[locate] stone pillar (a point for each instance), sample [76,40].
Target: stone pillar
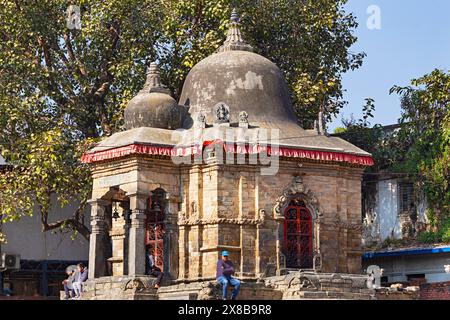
[171,240]
[280,263]
[136,246]
[118,236]
[183,260]
[98,238]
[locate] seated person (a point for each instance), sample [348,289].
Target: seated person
[78,283]
[151,268]
[225,270]
[68,283]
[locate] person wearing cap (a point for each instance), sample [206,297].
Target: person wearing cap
[225,271]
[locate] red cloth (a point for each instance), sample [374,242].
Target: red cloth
[228,147]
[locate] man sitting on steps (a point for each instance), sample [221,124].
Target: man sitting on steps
[225,270]
[151,268]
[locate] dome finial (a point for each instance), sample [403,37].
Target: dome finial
[234,16]
[234,39]
[153,82]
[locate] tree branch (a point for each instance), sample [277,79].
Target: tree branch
[75,223]
[80,68]
[46,51]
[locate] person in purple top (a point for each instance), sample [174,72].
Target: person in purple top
[225,270]
[83,276]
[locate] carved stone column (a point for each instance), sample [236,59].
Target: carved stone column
[136,247]
[98,239]
[279,219]
[182,253]
[171,239]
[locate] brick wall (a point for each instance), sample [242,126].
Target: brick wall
[435,291]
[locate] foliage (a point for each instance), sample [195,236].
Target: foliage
[62,89]
[392,243]
[363,135]
[422,144]
[419,146]
[442,234]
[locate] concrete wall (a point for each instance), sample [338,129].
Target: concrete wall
[388,224]
[25,237]
[387,209]
[396,268]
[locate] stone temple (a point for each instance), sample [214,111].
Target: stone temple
[227,167]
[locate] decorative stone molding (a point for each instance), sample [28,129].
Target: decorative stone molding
[137,285]
[210,291]
[317,262]
[296,187]
[338,223]
[302,281]
[182,221]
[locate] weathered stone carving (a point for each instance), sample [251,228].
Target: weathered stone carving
[182,220]
[221,113]
[269,270]
[262,216]
[374,272]
[317,262]
[348,225]
[201,119]
[134,284]
[243,119]
[301,281]
[371,229]
[194,207]
[210,290]
[296,187]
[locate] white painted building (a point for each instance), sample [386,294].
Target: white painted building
[392,210]
[409,264]
[43,255]
[25,237]
[389,204]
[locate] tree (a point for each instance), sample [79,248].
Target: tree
[62,89]
[422,145]
[419,147]
[366,136]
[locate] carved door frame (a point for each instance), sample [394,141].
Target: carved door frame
[298,190]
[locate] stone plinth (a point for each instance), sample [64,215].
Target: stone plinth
[322,286]
[120,288]
[293,286]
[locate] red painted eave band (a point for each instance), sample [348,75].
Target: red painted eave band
[233,148]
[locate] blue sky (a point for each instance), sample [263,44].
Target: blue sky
[413,40]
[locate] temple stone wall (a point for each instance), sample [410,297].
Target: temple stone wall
[214,207]
[230,207]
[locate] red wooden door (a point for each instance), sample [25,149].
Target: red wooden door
[155,231]
[154,239]
[298,237]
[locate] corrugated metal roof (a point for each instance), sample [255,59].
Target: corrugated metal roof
[406,251]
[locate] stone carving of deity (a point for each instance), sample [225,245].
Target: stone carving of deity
[201,119]
[243,119]
[222,113]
